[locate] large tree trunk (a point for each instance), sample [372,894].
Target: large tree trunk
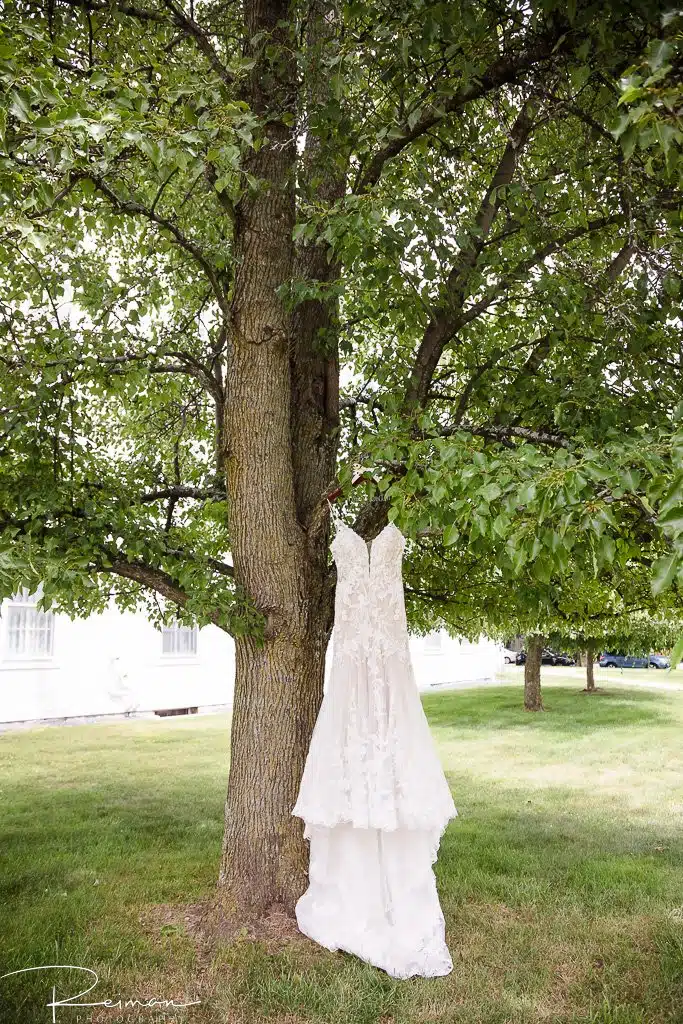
[278,689]
[281,414]
[590,663]
[532,673]
[278,683]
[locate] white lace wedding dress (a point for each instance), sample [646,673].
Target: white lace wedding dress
[373,796]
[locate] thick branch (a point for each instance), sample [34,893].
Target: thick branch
[503,71]
[156,579]
[201,494]
[504,433]
[447,320]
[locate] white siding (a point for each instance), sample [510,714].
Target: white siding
[118,663]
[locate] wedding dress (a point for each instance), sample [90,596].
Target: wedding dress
[373,796]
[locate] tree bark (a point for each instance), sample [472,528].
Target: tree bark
[590,662]
[281,419]
[532,673]
[278,682]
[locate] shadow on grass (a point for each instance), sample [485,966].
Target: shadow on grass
[568,709]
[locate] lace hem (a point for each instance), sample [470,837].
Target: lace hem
[436,829]
[387,914]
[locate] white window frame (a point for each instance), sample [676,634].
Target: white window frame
[174,642]
[34,629]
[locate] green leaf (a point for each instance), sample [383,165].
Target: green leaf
[676,654]
[672,518]
[659,53]
[663,573]
[490,491]
[97,131]
[20,104]
[628,141]
[450,535]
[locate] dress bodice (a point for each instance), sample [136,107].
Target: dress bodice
[369,603]
[351,556]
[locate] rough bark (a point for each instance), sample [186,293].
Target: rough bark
[314,354]
[532,673]
[281,413]
[590,662]
[278,683]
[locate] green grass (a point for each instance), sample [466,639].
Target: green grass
[561,880]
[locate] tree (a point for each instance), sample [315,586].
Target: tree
[205,207]
[532,673]
[590,663]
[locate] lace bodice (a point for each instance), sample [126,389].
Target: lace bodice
[369,603]
[372,760]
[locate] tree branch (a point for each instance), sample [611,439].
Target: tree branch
[178,18]
[182,491]
[130,206]
[518,272]
[501,72]
[158,580]
[446,321]
[504,433]
[192,28]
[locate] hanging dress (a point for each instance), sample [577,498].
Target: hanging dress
[373,796]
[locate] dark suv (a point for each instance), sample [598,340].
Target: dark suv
[547,658]
[633,661]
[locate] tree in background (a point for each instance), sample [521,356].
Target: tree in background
[207,208]
[638,633]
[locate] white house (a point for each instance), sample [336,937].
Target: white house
[118,663]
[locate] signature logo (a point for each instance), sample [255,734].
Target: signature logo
[110,1004]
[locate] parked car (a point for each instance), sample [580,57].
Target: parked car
[608,660]
[510,656]
[547,658]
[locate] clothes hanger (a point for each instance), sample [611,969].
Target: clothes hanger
[362,474]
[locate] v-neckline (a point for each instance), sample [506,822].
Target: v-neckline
[369,550]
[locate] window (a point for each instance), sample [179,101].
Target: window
[30,632]
[433,643]
[179,641]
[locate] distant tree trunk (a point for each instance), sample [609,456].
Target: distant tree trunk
[590,659]
[532,673]
[579,659]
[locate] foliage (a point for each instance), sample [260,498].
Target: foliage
[508,286]
[652,100]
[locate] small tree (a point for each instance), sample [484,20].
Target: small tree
[533,700]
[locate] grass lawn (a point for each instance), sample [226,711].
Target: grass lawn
[561,881]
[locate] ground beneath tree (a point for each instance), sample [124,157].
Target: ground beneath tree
[207,925]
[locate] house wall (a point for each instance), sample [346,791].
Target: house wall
[112,663]
[439,660]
